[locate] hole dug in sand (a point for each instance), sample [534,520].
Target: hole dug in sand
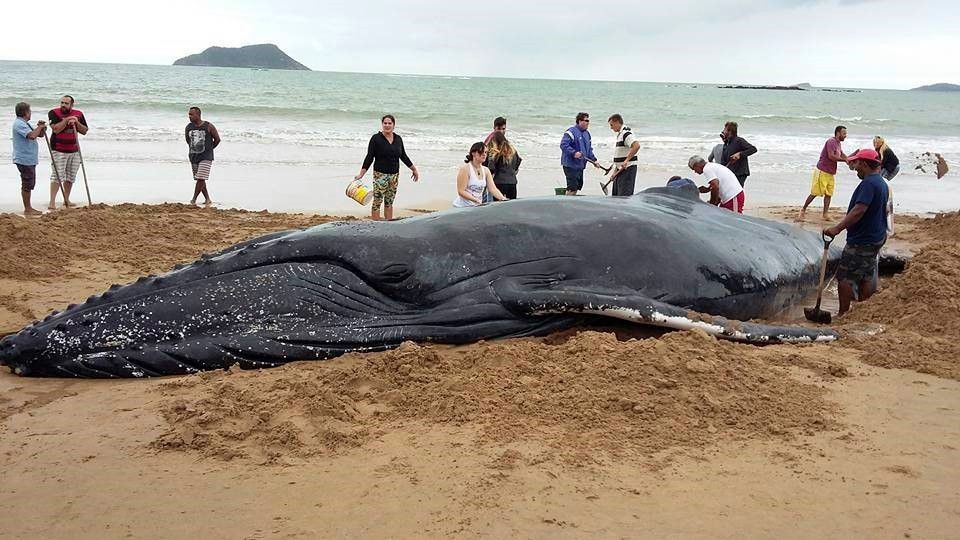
[590,395]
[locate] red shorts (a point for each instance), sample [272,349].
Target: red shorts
[735,204]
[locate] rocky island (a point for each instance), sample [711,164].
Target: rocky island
[263,56]
[939,87]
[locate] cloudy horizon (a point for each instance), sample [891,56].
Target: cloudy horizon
[827,43]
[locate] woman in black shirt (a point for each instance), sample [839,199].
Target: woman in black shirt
[385,151]
[504,163]
[889,168]
[889,162]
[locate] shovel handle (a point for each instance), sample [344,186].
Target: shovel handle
[827,239]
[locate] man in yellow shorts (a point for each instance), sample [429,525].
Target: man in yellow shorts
[823,175]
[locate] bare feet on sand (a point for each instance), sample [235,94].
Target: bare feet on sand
[32,212]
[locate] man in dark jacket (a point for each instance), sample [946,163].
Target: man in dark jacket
[736,149]
[576,150]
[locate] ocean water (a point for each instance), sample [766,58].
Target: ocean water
[292,140]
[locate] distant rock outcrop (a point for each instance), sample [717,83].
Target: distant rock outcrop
[803,87]
[753,87]
[939,87]
[263,56]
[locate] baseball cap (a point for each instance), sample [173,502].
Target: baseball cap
[867,154]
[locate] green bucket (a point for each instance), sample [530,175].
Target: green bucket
[559,191]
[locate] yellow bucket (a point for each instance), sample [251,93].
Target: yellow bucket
[359,192]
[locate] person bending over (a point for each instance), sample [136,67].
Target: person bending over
[722,185]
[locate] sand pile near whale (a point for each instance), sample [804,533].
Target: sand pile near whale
[146,238]
[920,308]
[587,396]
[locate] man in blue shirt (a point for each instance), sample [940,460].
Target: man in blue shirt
[577,150]
[26,154]
[866,225]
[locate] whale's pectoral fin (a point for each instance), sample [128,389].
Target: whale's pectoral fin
[518,296]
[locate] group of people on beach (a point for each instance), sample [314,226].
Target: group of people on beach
[66,124]
[489,172]
[824,174]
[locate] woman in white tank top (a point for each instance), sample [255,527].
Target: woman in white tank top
[473,177]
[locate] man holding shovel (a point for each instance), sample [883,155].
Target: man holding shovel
[624,157]
[576,150]
[67,124]
[866,225]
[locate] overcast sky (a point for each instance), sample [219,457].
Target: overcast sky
[853,43]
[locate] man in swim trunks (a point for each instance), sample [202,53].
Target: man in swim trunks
[823,175]
[201,139]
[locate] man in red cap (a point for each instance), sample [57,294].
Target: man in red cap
[866,226]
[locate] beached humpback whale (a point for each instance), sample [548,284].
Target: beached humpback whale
[517,268]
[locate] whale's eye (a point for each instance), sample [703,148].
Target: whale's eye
[394,273]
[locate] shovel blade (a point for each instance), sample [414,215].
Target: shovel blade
[604,188]
[817,315]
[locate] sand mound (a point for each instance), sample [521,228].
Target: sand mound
[145,238]
[920,310]
[944,227]
[588,395]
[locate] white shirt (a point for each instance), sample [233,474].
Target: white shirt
[625,139]
[729,185]
[475,185]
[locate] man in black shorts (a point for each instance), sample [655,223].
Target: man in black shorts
[866,225]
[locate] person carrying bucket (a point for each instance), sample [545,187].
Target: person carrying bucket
[385,151]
